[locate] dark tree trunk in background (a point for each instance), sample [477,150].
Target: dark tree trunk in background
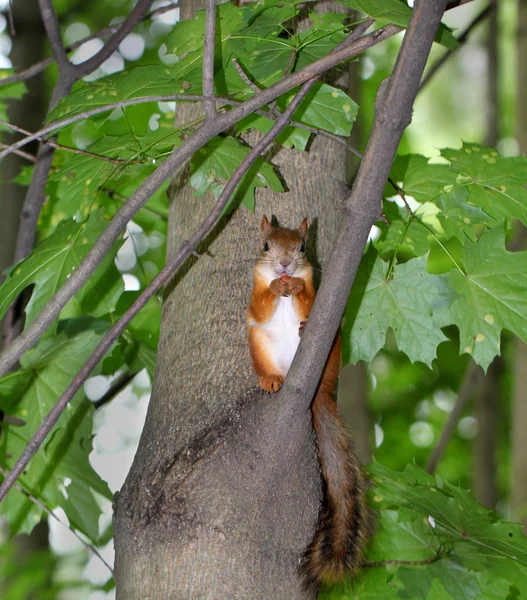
[488,400]
[28,112]
[487,404]
[519,408]
[223,498]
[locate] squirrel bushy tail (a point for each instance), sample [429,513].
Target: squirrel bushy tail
[336,549]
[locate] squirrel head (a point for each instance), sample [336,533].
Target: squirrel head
[282,251]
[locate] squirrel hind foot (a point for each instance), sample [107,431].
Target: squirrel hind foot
[271,383]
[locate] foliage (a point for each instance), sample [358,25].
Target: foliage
[436,282]
[435,541]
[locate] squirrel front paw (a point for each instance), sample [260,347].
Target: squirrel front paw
[271,383]
[296,285]
[280,288]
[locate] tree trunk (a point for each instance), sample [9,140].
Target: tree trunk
[485,447]
[487,401]
[223,498]
[519,407]
[27,112]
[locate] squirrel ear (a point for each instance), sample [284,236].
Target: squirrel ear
[265,229]
[302,230]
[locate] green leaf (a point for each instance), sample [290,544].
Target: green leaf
[52,262]
[491,296]
[325,107]
[137,82]
[419,178]
[496,184]
[403,234]
[215,163]
[405,301]
[8,92]
[60,473]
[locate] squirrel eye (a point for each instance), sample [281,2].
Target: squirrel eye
[302,248]
[266,247]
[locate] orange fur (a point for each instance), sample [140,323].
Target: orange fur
[337,545]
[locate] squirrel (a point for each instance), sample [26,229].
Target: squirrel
[281,300]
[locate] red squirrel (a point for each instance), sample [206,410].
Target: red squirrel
[281,300]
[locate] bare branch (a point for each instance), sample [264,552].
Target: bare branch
[136,16]
[471,382]
[50,142]
[208,58]
[51,514]
[117,386]
[52,309]
[21,153]
[244,77]
[166,273]
[51,25]
[362,208]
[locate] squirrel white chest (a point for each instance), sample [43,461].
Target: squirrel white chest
[282,331]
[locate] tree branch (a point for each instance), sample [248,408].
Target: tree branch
[208,58]
[471,382]
[51,25]
[165,274]
[137,15]
[393,110]
[105,241]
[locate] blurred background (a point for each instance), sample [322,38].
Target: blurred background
[397,410]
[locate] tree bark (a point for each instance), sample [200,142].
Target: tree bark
[485,448]
[209,508]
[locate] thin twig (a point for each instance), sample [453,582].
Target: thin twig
[208,59]
[51,514]
[469,386]
[244,77]
[116,388]
[31,157]
[461,39]
[165,274]
[193,143]
[136,16]
[50,142]
[413,563]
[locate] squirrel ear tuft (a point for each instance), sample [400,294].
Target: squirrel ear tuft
[302,230]
[265,229]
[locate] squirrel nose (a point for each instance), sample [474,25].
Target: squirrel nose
[285,262]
